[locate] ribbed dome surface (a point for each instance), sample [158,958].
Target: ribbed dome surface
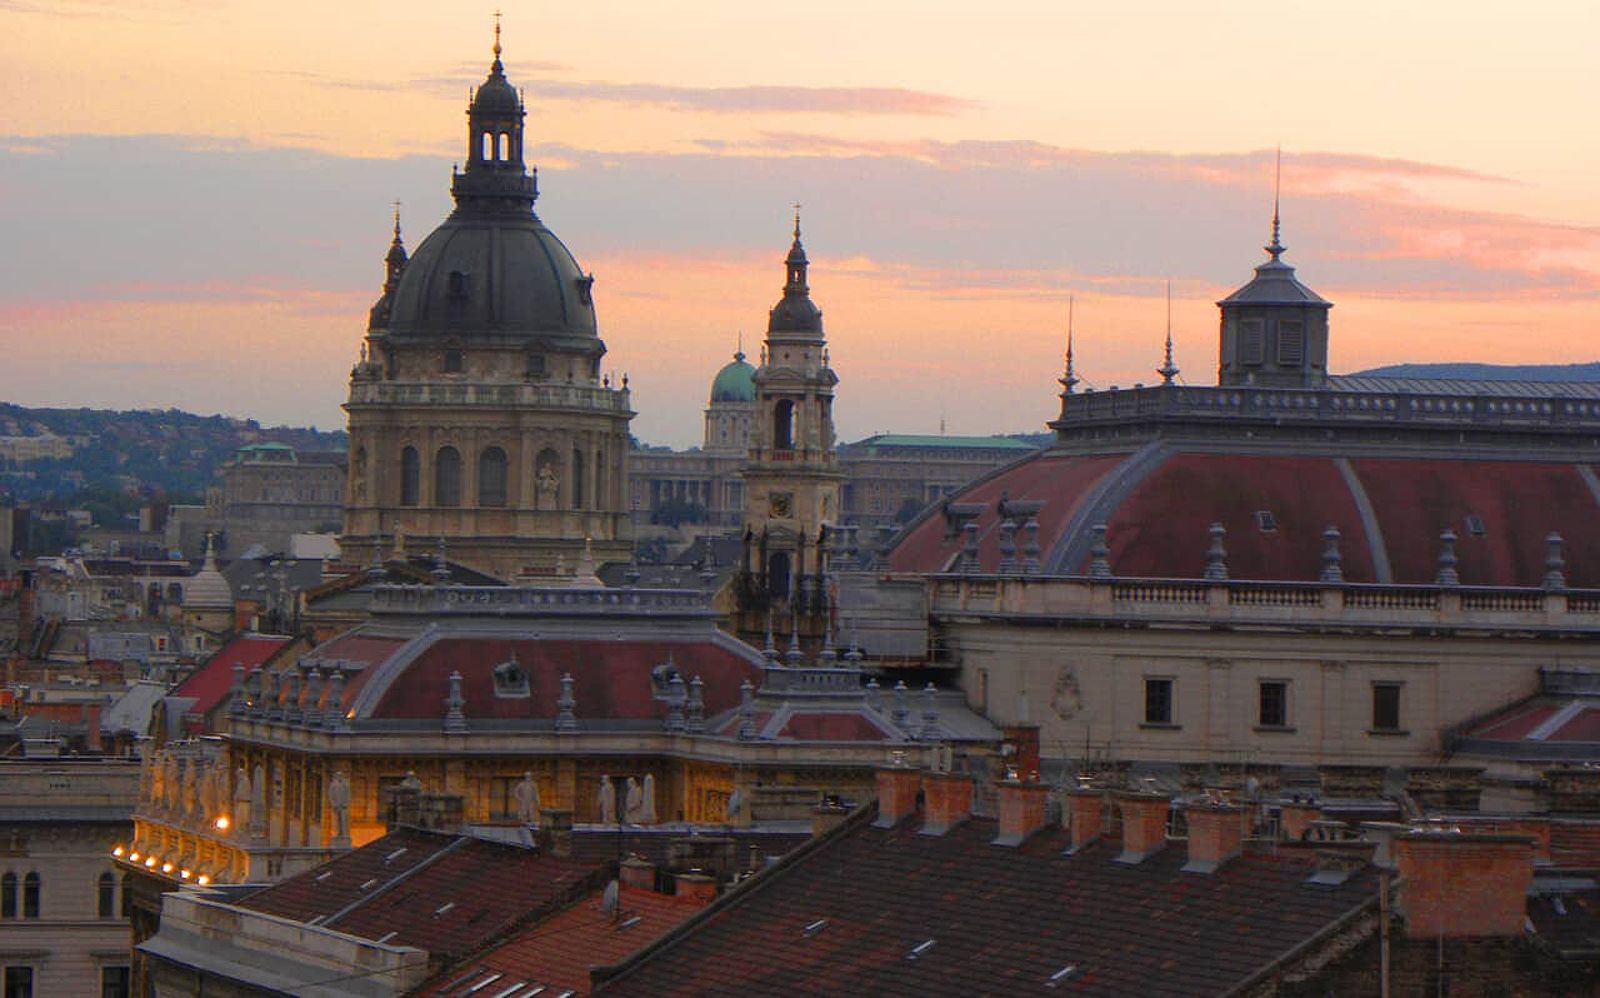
[493,273]
[735,382]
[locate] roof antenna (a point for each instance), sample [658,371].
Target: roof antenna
[1069,380]
[1276,248]
[1168,370]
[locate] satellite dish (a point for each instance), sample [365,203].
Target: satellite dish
[608,900]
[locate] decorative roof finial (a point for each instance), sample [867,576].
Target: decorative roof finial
[1276,248]
[1069,380]
[396,219]
[1168,370]
[738,354]
[497,39]
[797,221]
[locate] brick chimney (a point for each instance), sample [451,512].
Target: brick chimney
[696,887]
[947,801]
[1295,818]
[1021,810]
[897,794]
[636,871]
[1144,825]
[1216,835]
[244,615]
[1086,812]
[1464,885]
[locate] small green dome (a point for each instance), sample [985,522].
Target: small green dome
[735,383]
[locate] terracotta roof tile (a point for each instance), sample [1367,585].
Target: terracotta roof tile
[209,684]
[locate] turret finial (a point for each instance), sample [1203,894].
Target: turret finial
[397,219]
[497,37]
[1069,380]
[1168,370]
[1276,247]
[738,353]
[797,221]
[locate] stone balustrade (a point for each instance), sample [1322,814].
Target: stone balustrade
[586,398]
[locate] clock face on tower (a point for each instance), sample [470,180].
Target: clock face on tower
[781,504]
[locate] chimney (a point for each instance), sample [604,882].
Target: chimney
[947,801]
[555,831]
[1086,812]
[897,794]
[1295,817]
[696,887]
[91,729]
[1464,885]
[1216,835]
[1144,825]
[1023,740]
[636,871]
[244,614]
[1021,810]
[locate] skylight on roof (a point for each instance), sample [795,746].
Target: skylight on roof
[1060,976]
[443,909]
[474,989]
[629,923]
[324,875]
[1266,522]
[507,992]
[394,855]
[920,949]
[370,884]
[1475,525]
[814,928]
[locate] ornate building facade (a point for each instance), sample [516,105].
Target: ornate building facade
[478,411]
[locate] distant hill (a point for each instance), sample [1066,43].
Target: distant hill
[47,453]
[1489,372]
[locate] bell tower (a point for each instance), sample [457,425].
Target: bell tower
[792,477]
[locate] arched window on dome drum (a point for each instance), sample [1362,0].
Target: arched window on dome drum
[107,906]
[577,479]
[447,477]
[410,477]
[783,425]
[492,477]
[502,149]
[486,153]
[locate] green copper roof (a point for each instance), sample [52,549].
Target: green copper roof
[736,382]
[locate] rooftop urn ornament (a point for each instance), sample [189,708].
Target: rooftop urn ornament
[1217,555]
[770,650]
[794,656]
[292,708]
[677,697]
[694,719]
[455,718]
[747,711]
[902,704]
[874,695]
[566,706]
[333,713]
[829,656]
[1332,560]
[930,714]
[1448,576]
[441,567]
[1031,564]
[313,714]
[1099,554]
[1008,547]
[1555,576]
[969,548]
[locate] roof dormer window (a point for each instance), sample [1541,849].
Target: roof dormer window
[511,679]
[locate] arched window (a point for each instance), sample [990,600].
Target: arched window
[174,593]
[783,425]
[30,896]
[108,896]
[447,477]
[410,477]
[778,574]
[492,477]
[487,149]
[600,478]
[8,895]
[127,898]
[577,478]
[502,148]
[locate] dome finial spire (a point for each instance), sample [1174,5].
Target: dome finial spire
[497,38]
[797,221]
[1168,370]
[397,220]
[738,353]
[1069,379]
[1276,248]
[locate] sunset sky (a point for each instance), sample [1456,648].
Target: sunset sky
[195,194]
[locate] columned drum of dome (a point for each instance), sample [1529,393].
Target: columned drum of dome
[478,412]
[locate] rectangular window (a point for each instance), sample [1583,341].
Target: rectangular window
[1252,342]
[19,982]
[1274,706]
[1291,342]
[1385,706]
[116,982]
[1158,701]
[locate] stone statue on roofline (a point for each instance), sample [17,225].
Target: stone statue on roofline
[633,807]
[649,815]
[339,803]
[607,799]
[526,795]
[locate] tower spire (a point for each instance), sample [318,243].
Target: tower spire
[797,222]
[1276,248]
[1069,380]
[1168,370]
[497,66]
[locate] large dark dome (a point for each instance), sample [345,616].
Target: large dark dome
[493,275]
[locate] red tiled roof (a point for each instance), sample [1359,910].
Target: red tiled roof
[849,917]
[347,879]
[559,951]
[1517,723]
[1157,524]
[1583,727]
[209,684]
[833,727]
[611,679]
